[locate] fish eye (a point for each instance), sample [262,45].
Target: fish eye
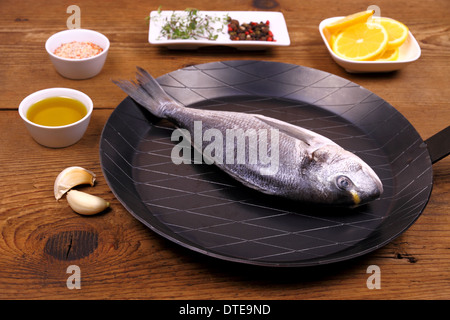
[343,182]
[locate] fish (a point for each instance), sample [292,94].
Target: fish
[293,163]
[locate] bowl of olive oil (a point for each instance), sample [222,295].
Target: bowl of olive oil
[56,117]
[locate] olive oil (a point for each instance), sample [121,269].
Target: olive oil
[56,111]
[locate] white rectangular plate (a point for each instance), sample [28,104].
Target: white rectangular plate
[277,26]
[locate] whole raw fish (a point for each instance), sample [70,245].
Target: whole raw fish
[266,154]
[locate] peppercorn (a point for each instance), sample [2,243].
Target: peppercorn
[249,31]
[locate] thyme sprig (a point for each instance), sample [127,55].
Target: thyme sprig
[191,24]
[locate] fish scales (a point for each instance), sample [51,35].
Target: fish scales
[263,153]
[292,151]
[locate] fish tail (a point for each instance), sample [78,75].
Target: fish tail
[148,93]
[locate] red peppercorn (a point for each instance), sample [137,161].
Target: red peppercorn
[269,39]
[267,22]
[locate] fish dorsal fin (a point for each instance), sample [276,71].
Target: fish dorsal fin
[312,140]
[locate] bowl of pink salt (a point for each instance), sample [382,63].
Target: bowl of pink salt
[78,53]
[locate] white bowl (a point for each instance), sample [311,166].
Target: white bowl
[78,68]
[56,136]
[409,52]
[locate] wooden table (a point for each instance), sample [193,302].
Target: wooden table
[119,258]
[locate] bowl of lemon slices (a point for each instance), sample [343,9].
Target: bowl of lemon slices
[362,42]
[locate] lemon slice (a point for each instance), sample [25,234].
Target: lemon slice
[349,20]
[388,55]
[361,42]
[396,30]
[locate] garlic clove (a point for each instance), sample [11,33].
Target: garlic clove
[85,203]
[71,177]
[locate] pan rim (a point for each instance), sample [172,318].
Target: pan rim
[162,232]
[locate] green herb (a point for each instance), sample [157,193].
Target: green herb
[191,24]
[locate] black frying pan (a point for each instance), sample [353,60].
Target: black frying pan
[201,208]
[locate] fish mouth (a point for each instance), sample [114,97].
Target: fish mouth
[360,197]
[378,184]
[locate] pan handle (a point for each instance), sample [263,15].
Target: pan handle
[439,145]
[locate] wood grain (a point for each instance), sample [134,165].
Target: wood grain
[121,259]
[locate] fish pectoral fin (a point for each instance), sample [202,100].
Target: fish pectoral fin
[309,138]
